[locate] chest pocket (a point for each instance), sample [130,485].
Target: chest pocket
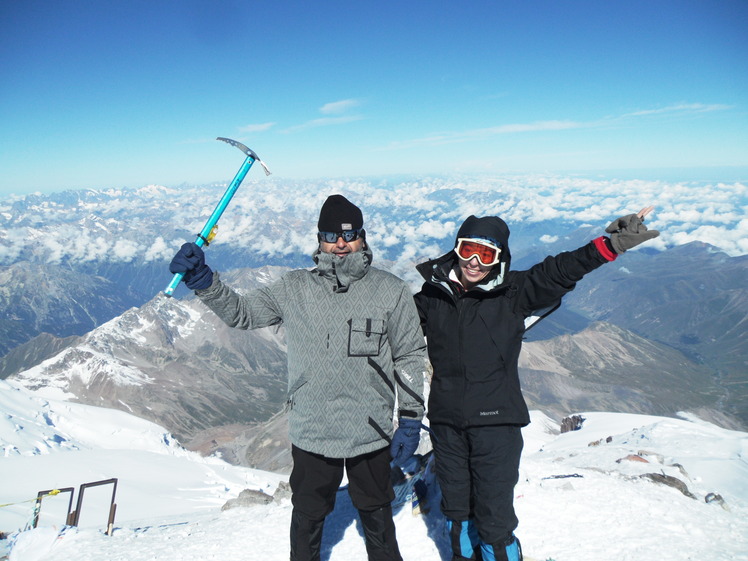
[365,336]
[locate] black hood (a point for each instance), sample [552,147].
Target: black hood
[490,227]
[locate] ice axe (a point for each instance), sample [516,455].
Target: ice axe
[208,232]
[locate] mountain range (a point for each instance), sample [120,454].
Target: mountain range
[658,331]
[171,361]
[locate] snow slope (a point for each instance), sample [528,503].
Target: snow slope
[575,501]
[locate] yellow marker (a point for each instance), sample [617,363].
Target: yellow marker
[212,234]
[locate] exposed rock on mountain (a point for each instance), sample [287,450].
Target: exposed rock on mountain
[264,446]
[174,363]
[37,350]
[692,298]
[606,368]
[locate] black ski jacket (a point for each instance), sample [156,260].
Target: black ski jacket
[474,337]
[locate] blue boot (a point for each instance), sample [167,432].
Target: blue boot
[463,537]
[510,550]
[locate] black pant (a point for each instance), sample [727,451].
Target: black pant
[315,480]
[477,469]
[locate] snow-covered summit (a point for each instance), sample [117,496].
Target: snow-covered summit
[598,493]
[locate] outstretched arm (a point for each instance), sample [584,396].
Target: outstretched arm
[548,281]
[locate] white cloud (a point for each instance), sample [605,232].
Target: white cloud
[483,133]
[332,108]
[437,229]
[259,127]
[54,249]
[451,137]
[125,250]
[324,122]
[337,107]
[159,251]
[680,108]
[97,249]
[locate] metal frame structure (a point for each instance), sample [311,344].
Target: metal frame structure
[73,516]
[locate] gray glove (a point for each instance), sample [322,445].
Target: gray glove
[629,231]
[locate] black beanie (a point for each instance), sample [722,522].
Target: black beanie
[490,227]
[339,214]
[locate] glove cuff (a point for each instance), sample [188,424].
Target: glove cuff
[605,248]
[405,422]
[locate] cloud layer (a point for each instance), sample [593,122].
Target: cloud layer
[406,219]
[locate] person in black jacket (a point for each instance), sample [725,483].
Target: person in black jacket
[473,309]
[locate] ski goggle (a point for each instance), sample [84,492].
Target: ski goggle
[487,253]
[347,235]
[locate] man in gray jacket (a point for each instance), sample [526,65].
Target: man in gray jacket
[355,346]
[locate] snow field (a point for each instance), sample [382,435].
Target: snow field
[169,500]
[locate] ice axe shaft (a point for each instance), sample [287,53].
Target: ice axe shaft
[207,233]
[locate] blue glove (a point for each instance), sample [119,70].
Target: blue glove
[405,441]
[190,261]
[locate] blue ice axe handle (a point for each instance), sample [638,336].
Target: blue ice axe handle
[204,234]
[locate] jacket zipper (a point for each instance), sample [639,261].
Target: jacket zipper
[459,303]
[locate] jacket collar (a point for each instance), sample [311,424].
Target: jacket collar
[441,272]
[343,270]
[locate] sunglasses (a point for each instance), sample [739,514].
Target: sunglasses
[487,253]
[347,235]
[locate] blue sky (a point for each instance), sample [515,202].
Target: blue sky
[101,94]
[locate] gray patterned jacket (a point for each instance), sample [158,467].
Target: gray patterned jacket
[354,342]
